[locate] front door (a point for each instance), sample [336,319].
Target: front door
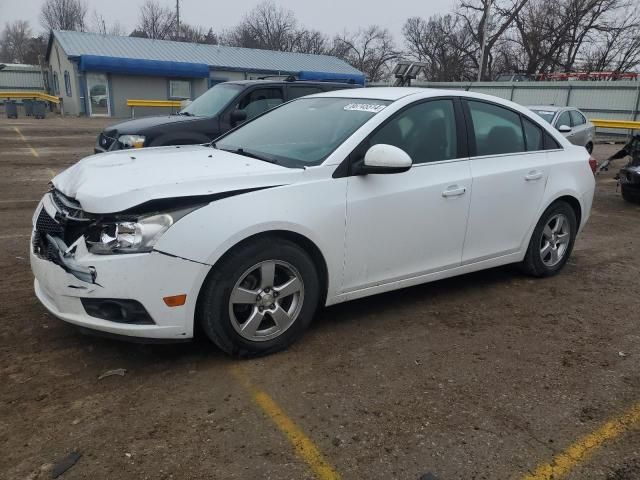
[98,92]
[509,171]
[413,223]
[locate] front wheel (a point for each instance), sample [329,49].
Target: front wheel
[260,298]
[552,241]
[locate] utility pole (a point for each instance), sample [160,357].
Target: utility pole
[485,30]
[177,19]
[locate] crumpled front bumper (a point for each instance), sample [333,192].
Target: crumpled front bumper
[145,277]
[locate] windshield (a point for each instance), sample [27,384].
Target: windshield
[545,114]
[303,132]
[212,101]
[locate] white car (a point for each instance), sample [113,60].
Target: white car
[324,199]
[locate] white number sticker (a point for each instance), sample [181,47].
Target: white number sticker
[364,107]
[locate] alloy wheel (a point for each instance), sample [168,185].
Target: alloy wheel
[266,300]
[555,240]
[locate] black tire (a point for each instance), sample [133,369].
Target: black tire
[630,195]
[533,264]
[589,147]
[213,304]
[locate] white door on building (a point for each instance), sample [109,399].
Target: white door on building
[98,92]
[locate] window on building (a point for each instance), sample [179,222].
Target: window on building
[67,83]
[56,85]
[180,89]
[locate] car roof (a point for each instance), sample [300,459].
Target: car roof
[288,82]
[385,93]
[549,108]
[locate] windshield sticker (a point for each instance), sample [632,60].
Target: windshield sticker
[364,107]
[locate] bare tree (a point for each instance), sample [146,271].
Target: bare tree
[15,40]
[63,15]
[196,34]
[267,26]
[370,50]
[155,21]
[444,44]
[615,48]
[487,21]
[99,25]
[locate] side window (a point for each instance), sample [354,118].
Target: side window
[550,143]
[576,118]
[297,91]
[260,100]
[497,130]
[67,83]
[426,131]
[563,119]
[533,135]
[180,89]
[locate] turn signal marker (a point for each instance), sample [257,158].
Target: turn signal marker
[175,300]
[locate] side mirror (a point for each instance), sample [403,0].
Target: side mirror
[564,128]
[384,158]
[238,116]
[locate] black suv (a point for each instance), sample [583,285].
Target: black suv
[221,108]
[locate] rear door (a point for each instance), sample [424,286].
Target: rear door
[404,225]
[509,169]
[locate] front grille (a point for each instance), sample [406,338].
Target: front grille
[45,225]
[107,139]
[69,224]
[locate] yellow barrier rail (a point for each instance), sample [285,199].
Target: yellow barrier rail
[622,124]
[30,94]
[151,103]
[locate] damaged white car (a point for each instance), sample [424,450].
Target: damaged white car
[324,199]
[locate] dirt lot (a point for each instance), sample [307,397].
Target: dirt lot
[485,376]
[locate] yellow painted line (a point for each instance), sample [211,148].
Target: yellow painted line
[303,445]
[34,152]
[564,462]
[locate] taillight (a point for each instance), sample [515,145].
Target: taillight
[593,163]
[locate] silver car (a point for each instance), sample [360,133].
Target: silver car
[571,122]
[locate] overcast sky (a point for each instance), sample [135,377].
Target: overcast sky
[329,16]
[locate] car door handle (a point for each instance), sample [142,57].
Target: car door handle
[454,191]
[533,175]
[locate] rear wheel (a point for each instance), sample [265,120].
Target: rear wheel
[260,299]
[552,241]
[630,195]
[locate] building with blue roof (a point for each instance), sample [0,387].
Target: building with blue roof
[95,74]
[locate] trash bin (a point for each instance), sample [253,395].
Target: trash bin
[11,107]
[28,107]
[39,109]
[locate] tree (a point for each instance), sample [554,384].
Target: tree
[15,42]
[443,44]
[155,21]
[266,27]
[63,15]
[487,21]
[370,50]
[100,25]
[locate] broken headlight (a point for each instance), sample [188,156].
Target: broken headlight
[128,235]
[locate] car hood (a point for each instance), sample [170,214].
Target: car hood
[138,125]
[117,181]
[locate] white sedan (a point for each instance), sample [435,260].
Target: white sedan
[325,199]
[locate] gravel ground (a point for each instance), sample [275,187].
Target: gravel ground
[483,376]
